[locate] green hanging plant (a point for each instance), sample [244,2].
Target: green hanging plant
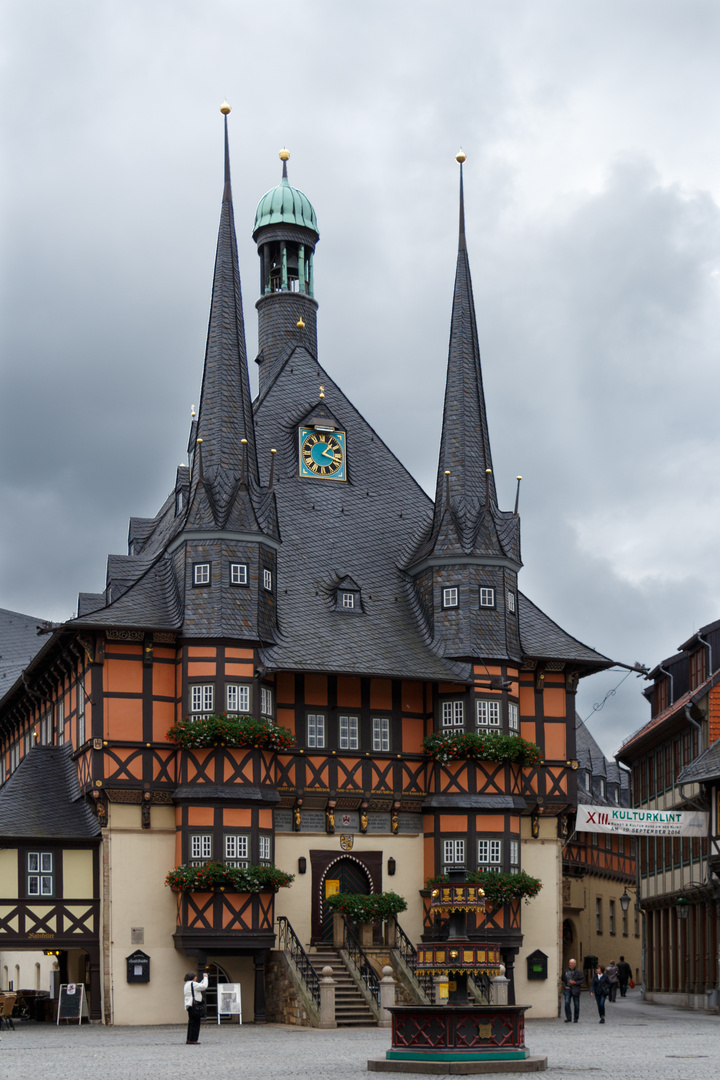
[499,888]
[367,908]
[216,875]
[489,746]
[219,729]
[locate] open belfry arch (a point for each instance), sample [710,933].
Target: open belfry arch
[293,526]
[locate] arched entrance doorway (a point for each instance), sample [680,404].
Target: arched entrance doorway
[215,975]
[333,866]
[346,875]
[569,944]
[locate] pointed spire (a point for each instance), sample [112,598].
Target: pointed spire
[225,416]
[465,442]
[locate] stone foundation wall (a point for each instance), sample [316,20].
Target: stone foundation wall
[284,1003]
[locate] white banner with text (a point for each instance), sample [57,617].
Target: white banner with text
[631,822]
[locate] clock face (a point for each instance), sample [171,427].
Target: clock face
[322,453]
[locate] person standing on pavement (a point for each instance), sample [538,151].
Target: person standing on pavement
[599,989]
[624,975]
[193,989]
[612,973]
[572,984]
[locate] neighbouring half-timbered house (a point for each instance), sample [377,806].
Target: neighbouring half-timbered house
[297,573]
[601,918]
[675,763]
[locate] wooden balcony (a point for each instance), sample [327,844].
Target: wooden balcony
[226,922]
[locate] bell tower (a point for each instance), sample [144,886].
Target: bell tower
[286,233]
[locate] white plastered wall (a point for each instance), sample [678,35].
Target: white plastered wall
[541,919]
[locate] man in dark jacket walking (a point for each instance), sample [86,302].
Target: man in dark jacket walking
[572,983]
[624,975]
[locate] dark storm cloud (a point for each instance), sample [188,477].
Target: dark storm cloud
[592,223]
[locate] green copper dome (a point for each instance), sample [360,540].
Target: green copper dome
[285,204]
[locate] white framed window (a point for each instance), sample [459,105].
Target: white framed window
[348,732]
[453,852]
[487,597]
[266,701]
[348,600]
[200,848]
[236,849]
[40,877]
[511,601]
[267,580]
[603,787]
[80,713]
[60,715]
[178,502]
[315,730]
[202,700]
[237,698]
[46,728]
[489,854]
[238,573]
[265,848]
[450,598]
[513,716]
[487,714]
[514,856]
[381,734]
[201,573]
[453,713]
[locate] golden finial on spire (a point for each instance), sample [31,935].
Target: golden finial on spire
[300,323]
[225,108]
[488,471]
[284,154]
[273,451]
[322,392]
[244,442]
[192,412]
[447,472]
[460,156]
[198,441]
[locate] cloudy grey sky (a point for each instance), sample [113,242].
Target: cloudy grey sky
[592,192]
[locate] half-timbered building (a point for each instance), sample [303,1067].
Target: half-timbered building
[299,574]
[675,762]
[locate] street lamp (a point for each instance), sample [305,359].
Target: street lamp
[682,907]
[625,901]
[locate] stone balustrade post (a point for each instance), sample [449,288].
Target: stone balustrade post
[500,988]
[387,997]
[441,980]
[327,999]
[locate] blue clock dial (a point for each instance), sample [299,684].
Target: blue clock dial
[322,453]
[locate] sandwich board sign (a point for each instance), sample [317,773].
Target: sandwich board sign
[229,1000]
[71,1002]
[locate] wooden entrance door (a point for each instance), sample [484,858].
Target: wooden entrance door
[346,876]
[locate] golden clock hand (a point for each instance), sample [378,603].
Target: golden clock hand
[328,451]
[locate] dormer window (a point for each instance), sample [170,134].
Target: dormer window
[267,580]
[201,573]
[487,597]
[603,790]
[347,597]
[450,597]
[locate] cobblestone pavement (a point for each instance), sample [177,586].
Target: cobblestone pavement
[639,1042]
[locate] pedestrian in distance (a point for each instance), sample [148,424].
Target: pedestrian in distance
[599,989]
[624,975]
[612,973]
[572,984]
[194,1004]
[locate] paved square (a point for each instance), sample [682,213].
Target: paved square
[639,1042]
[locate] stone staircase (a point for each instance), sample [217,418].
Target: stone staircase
[351,1009]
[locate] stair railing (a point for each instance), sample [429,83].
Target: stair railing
[407,950]
[364,967]
[289,942]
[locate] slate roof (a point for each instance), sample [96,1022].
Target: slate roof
[677,707]
[42,798]
[591,757]
[541,638]
[19,642]
[705,767]
[363,529]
